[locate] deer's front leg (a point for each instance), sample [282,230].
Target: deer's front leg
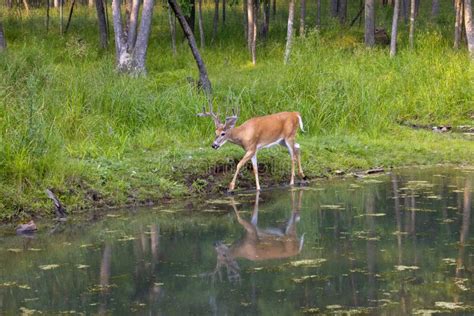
[249,154]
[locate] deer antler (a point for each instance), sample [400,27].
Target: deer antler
[211,113]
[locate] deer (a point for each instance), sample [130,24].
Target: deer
[264,244]
[257,133]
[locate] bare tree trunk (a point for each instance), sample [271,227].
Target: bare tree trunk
[302,17]
[369,23]
[203,77]
[469,25]
[246,23]
[342,11]
[201,28]
[223,12]
[3,42]
[435,9]
[405,9]
[251,29]
[412,23]
[216,19]
[47,15]
[458,7]
[266,18]
[141,45]
[289,32]
[55,3]
[132,24]
[318,14]
[61,8]
[123,57]
[171,21]
[103,36]
[91,3]
[393,41]
[70,16]
[27,6]
[274,7]
[334,8]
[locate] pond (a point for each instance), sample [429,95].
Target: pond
[398,243]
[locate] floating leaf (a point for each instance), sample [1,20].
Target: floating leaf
[449,261]
[158,283]
[35,249]
[15,250]
[304,278]
[126,238]
[113,215]
[82,266]
[450,305]
[8,284]
[375,214]
[405,268]
[86,245]
[307,262]
[332,206]
[24,286]
[26,311]
[49,266]
[311,310]
[334,306]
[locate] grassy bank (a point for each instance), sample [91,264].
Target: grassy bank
[69,122]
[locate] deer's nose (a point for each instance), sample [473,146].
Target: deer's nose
[215,146]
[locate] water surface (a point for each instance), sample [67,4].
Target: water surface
[390,244]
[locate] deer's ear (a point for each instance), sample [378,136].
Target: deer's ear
[230,122]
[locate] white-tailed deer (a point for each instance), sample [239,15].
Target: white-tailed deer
[256,133]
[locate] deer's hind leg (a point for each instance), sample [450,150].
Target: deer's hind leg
[290,145]
[298,159]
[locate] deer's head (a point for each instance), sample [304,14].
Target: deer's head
[222,130]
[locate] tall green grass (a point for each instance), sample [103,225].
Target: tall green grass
[65,113]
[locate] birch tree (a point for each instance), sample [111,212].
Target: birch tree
[252,29]
[302,17]
[289,32]
[369,34]
[130,48]
[411,35]
[393,40]
[458,9]
[469,25]
[3,42]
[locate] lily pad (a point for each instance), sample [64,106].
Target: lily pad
[49,266]
[406,268]
[307,262]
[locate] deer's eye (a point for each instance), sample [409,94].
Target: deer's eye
[222,134]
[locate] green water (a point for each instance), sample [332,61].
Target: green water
[390,244]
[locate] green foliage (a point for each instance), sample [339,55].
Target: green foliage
[70,122]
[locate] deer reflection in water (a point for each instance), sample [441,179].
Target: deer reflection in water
[260,244]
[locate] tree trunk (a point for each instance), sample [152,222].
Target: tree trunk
[435,9]
[216,20]
[201,28]
[369,23]
[171,21]
[334,8]
[223,12]
[342,11]
[61,8]
[203,77]
[289,33]
[302,17]
[246,23]
[27,6]
[141,46]
[70,16]
[91,3]
[191,18]
[405,9]
[55,3]
[458,7]
[251,29]
[412,23]
[132,24]
[3,42]
[47,15]
[318,14]
[469,25]
[274,7]
[103,36]
[393,40]
[266,18]
[123,57]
